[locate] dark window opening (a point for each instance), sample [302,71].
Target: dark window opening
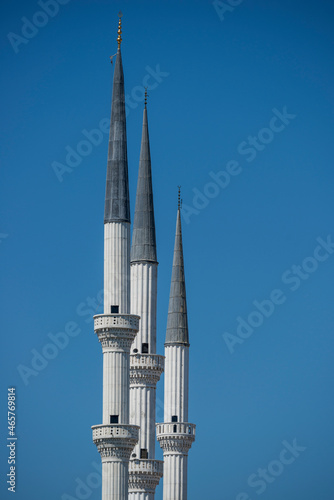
[114,419]
[189,430]
[135,351]
[174,418]
[143,453]
[144,348]
[114,309]
[174,428]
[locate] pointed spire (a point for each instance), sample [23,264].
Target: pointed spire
[177,322]
[117,205]
[143,236]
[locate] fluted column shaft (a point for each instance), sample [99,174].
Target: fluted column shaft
[117,266]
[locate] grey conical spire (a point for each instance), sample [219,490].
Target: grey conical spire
[177,322]
[117,205]
[143,236]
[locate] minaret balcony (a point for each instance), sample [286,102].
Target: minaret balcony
[146,466]
[173,428]
[116,330]
[144,475]
[176,437]
[121,322]
[115,440]
[147,362]
[145,369]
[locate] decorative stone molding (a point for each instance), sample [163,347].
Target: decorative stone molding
[116,331]
[176,437]
[145,369]
[144,475]
[115,440]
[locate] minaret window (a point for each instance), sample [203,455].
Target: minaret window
[144,348]
[114,309]
[174,418]
[143,453]
[114,419]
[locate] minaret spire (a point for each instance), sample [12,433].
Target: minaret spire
[177,322]
[116,329]
[145,365]
[143,237]
[176,434]
[117,204]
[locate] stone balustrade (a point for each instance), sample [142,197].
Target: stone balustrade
[176,428]
[116,321]
[154,361]
[146,466]
[108,431]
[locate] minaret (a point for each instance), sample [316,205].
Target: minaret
[116,328]
[176,435]
[145,365]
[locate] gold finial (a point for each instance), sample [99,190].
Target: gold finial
[146,96]
[179,202]
[119,38]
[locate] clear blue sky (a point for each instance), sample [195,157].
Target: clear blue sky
[222,79]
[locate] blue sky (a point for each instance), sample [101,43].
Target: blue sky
[258,202]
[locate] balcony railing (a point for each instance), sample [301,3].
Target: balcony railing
[176,428]
[154,361]
[120,321]
[146,466]
[115,431]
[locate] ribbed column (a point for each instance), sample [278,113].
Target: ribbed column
[145,370]
[116,375]
[117,266]
[175,439]
[142,402]
[111,489]
[175,477]
[144,303]
[176,382]
[115,438]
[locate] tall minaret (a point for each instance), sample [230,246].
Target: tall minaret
[145,365]
[176,435]
[116,328]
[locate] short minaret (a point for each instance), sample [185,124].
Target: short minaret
[116,328]
[176,434]
[145,365]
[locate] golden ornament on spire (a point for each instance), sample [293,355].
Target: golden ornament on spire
[119,38]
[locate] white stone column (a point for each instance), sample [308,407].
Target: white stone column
[176,382]
[145,371]
[117,266]
[144,277]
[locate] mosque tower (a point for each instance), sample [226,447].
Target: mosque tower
[116,328]
[176,434]
[131,367]
[145,365]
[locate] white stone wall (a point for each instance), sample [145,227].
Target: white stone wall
[117,266]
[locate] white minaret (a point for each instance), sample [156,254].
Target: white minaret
[116,328]
[176,434]
[145,365]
